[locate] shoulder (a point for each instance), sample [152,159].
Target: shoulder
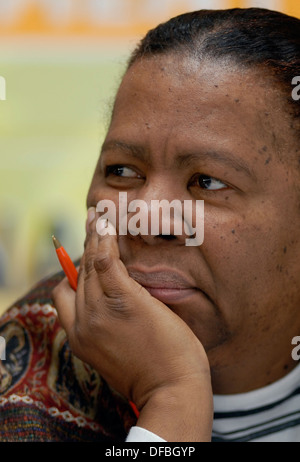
[41,381]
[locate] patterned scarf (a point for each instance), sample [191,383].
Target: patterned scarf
[46,393]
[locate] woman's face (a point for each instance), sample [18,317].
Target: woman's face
[219,134]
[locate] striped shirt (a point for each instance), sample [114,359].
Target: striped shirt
[269,414]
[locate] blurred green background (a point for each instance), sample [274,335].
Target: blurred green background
[52,124]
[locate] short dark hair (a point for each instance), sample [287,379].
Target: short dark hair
[249,36]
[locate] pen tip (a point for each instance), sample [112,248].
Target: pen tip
[56,242]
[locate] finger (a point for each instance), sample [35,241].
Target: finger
[91,213]
[85,295]
[89,291]
[64,301]
[91,244]
[111,271]
[80,293]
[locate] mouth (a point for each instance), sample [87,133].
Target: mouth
[170,296]
[165,284]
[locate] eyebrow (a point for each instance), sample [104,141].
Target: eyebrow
[182,160]
[135,151]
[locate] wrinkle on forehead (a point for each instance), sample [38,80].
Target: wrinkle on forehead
[253,87]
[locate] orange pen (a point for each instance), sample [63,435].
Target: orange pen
[66,263]
[72,275]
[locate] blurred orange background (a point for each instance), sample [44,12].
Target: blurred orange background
[62,61]
[109,18]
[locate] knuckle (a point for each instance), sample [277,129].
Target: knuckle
[103,262]
[119,307]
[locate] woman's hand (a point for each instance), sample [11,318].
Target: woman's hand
[136,343]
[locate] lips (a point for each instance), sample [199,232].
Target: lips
[166,285]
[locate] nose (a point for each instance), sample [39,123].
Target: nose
[156,220]
[157,216]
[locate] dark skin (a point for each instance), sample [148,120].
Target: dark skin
[230,328]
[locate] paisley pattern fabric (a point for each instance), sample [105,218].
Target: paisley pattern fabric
[46,393]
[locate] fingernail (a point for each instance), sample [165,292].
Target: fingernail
[91,213]
[104,227]
[101,225]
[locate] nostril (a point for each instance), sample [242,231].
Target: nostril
[167,237]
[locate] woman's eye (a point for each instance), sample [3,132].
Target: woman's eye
[121,171]
[208,182]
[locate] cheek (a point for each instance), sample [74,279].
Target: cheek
[103,194]
[239,252]
[99,191]
[252,263]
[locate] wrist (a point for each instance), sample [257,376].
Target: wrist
[180,412]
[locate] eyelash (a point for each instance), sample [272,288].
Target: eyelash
[205,179]
[112,170]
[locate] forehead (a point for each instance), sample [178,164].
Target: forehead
[178,80]
[210,101]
